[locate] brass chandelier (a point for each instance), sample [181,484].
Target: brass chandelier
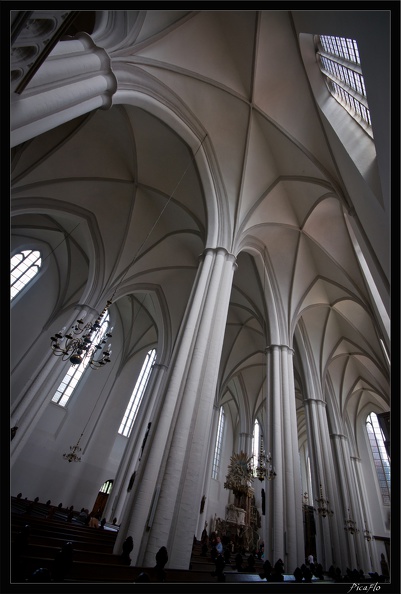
[350,525]
[323,504]
[83,341]
[367,534]
[265,468]
[72,456]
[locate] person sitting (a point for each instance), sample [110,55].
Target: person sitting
[319,571]
[161,560]
[42,574]
[94,521]
[204,536]
[19,548]
[142,577]
[298,575]
[220,563]
[219,546]
[277,573]
[250,567]
[83,516]
[267,569]
[307,574]
[204,550]
[238,562]
[128,546]
[62,564]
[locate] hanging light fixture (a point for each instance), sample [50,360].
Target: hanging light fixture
[350,524]
[271,472]
[261,467]
[83,341]
[72,456]
[323,504]
[367,534]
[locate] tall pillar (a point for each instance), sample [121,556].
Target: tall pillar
[165,510]
[346,499]
[284,533]
[295,540]
[362,548]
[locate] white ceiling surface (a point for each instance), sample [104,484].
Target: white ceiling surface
[238,81]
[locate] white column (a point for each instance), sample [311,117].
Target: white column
[361,549]
[75,79]
[317,430]
[189,445]
[295,540]
[284,532]
[166,506]
[274,544]
[345,499]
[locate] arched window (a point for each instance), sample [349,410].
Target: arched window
[137,395]
[73,375]
[339,62]
[24,266]
[107,487]
[380,456]
[219,442]
[256,444]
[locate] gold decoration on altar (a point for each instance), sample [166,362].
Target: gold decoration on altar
[240,474]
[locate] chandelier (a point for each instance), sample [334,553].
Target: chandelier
[72,456]
[265,468]
[83,342]
[323,504]
[350,524]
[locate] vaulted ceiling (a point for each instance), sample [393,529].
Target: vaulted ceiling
[130,186]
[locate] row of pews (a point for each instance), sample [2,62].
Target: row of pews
[93,557]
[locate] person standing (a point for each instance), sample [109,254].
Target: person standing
[384,567]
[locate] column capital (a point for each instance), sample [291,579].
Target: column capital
[338,436]
[315,401]
[282,347]
[219,250]
[162,366]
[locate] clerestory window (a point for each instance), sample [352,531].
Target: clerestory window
[24,266]
[218,446]
[340,65]
[107,487]
[380,457]
[136,398]
[257,445]
[74,374]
